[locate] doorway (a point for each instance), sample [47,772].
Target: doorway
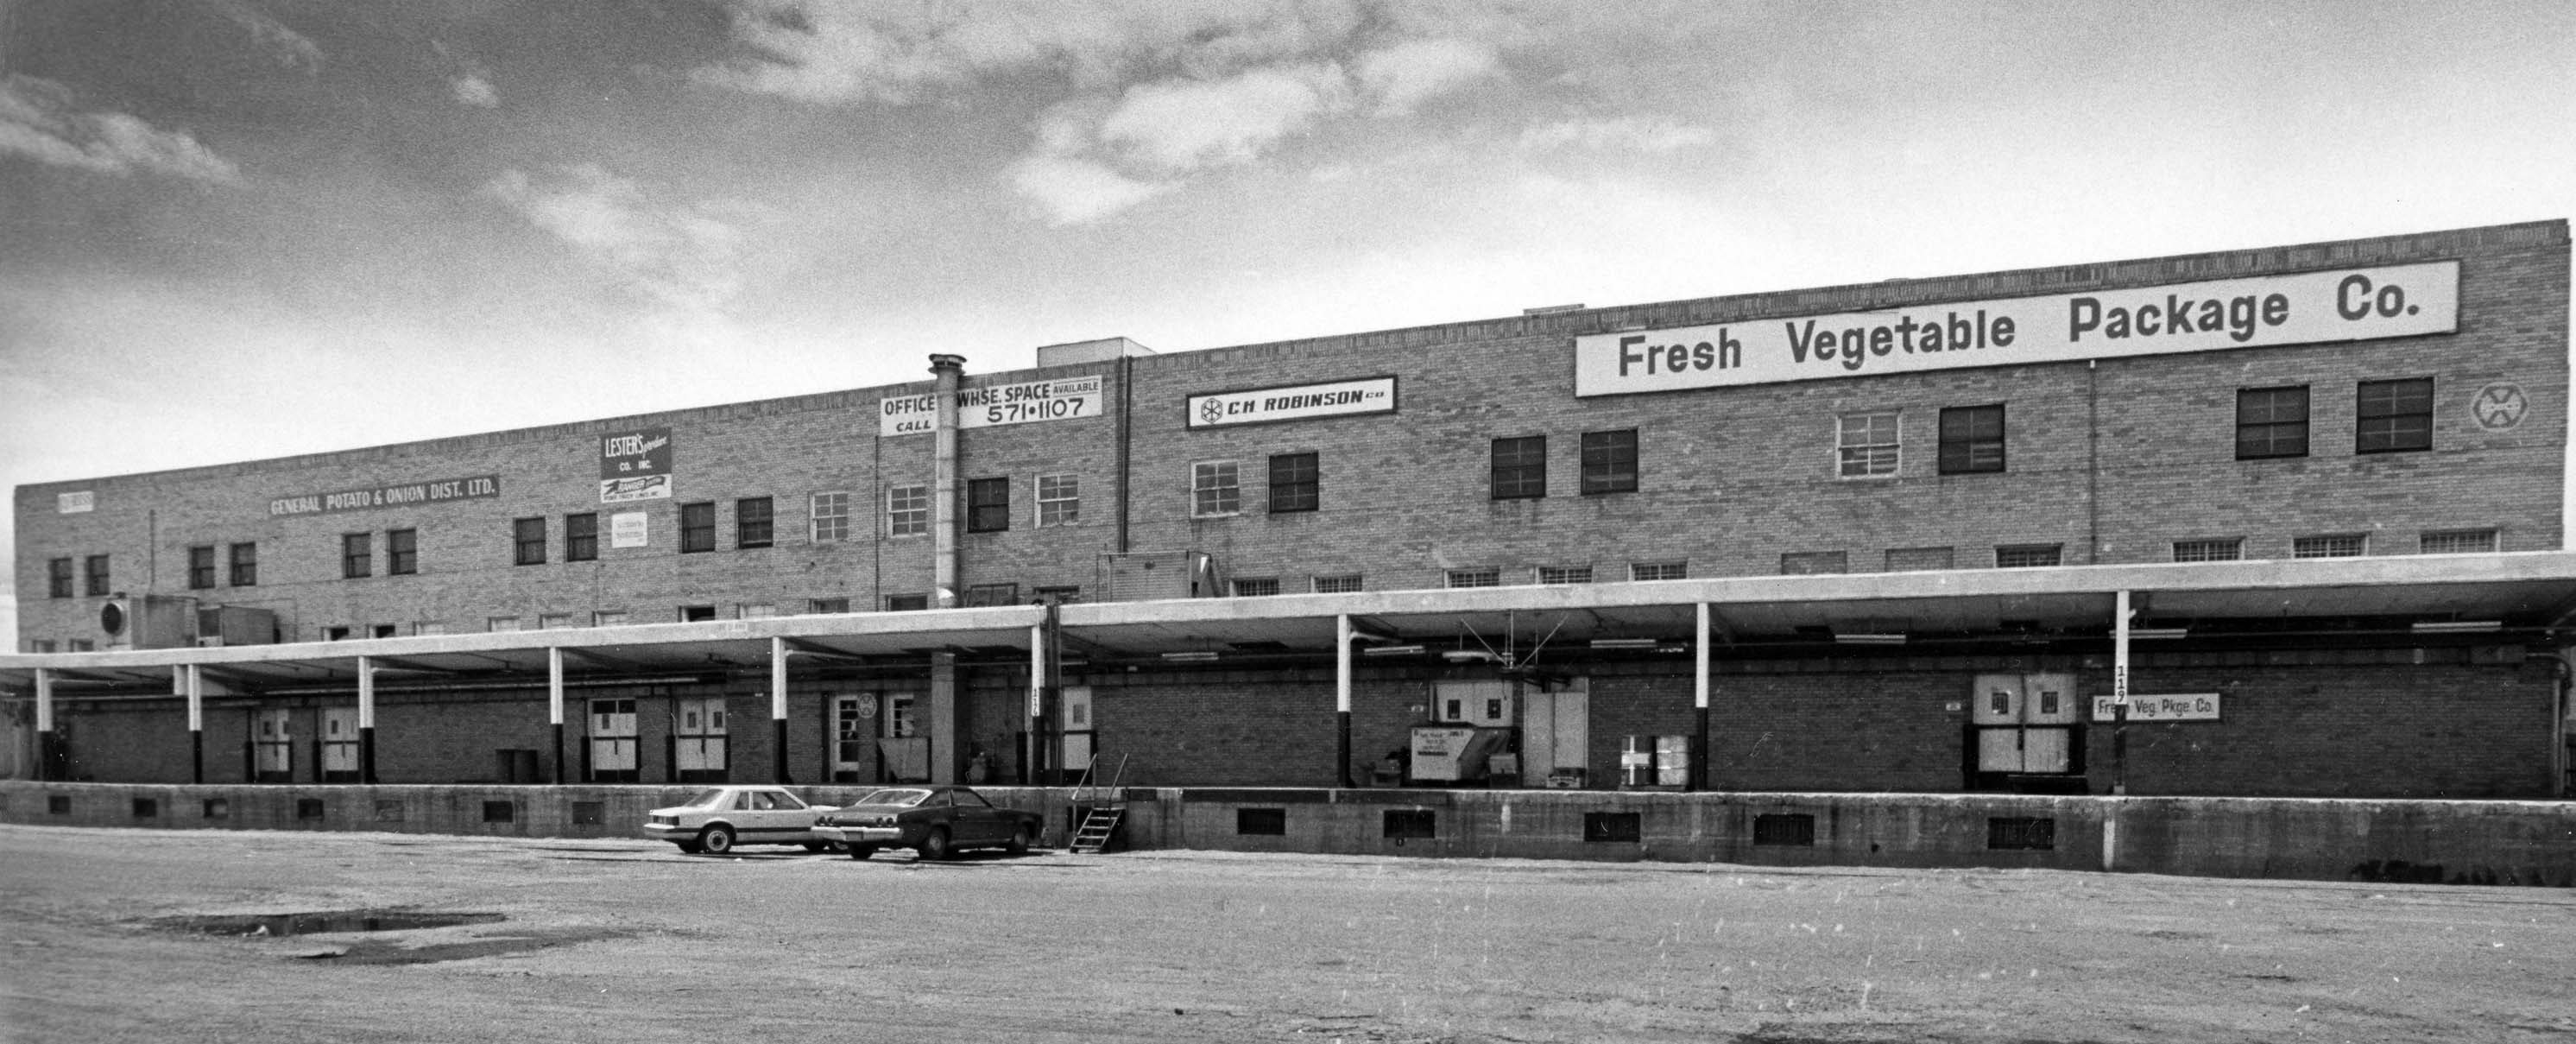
[2025,733]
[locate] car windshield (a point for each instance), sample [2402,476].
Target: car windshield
[905,798]
[705,799]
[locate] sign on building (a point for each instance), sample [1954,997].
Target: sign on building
[399,494]
[2350,304]
[1072,398]
[626,529]
[635,465]
[1296,402]
[2198,706]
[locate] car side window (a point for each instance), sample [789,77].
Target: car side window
[971,799]
[760,802]
[742,802]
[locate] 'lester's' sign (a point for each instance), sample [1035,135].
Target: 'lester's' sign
[2350,304]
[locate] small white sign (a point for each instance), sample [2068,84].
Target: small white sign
[639,487]
[2197,706]
[989,407]
[79,503]
[626,529]
[1300,402]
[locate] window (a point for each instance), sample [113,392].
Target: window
[528,541]
[429,627]
[1658,570]
[201,567]
[1342,584]
[79,645]
[1475,577]
[1565,574]
[40,645]
[1972,439]
[58,578]
[1059,500]
[94,569]
[1215,489]
[1520,468]
[988,505]
[1802,563]
[697,613]
[357,555]
[1255,586]
[501,623]
[697,527]
[906,603]
[553,621]
[402,552]
[1917,559]
[2229,549]
[245,565]
[382,631]
[755,611]
[827,605]
[2271,422]
[581,537]
[1061,595]
[2456,541]
[907,510]
[831,515]
[2394,416]
[2331,545]
[1295,483]
[1867,445]
[335,634]
[2025,556]
[608,618]
[754,522]
[1610,461]
[992,594]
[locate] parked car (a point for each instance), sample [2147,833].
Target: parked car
[719,818]
[934,821]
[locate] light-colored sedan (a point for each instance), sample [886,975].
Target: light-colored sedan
[719,818]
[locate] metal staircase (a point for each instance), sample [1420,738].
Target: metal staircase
[1102,807]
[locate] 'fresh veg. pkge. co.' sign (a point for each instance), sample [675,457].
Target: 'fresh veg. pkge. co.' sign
[2350,304]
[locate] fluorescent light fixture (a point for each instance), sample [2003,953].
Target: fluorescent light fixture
[1370,636]
[1392,650]
[2458,626]
[1624,643]
[2152,633]
[1191,654]
[1870,639]
[1470,656]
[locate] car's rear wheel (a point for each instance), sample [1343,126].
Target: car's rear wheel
[716,840]
[1019,844]
[935,846]
[862,851]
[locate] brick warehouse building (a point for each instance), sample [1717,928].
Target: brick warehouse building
[1863,538]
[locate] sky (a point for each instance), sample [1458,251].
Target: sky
[241,229]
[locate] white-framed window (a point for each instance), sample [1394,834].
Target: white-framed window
[1059,500]
[831,515]
[553,621]
[2456,541]
[1255,586]
[907,511]
[1867,445]
[429,627]
[756,611]
[1344,583]
[1475,578]
[501,623]
[2026,556]
[1216,488]
[2221,549]
[2330,545]
[1581,574]
[608,618]
[1658,570]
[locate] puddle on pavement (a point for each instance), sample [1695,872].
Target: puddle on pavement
[321,922]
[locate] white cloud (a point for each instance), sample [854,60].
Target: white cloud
[37,120]
[1073,190]
[685,256]
[290,48]
[1183,125]
[1407,74]
[475,89]
[1641,134]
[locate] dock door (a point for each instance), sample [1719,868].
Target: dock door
[2024,732]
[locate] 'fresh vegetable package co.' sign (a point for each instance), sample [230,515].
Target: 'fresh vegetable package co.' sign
[2340,305]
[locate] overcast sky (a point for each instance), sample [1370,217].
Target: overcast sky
[236,229]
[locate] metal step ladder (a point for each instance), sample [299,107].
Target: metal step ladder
[1101,819]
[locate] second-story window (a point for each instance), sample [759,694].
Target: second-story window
[201,567]
[1972,439]
[1610,461]
[528,541]
[581,537]
[2393,416]
[754,522]
[357,555]
[245,565]
[1215,489]
[402,552]
[58,577]
[1059,500]
[988,505]
[907,511]
[95,568]
[1520,468]
[1296,483]
[697,527]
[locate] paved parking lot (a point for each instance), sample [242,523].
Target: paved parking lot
[629,940]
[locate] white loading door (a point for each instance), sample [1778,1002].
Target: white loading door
[853,724]
[274,745]
[1996,713]
[698,733]
[1556,733]
[612,739]
[899,740]
[2025,723]
[340,744]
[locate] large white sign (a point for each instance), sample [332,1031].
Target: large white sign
[626,529]
[2197,706]
[994,406]
[1301,402]
[2349,304]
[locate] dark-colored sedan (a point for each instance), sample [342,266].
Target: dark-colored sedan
[933,821]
